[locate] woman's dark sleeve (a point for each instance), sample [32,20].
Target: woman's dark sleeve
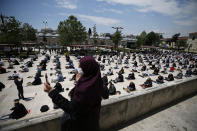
[13,108]
[60,101]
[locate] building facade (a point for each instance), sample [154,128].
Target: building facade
[192,42]
[47,36]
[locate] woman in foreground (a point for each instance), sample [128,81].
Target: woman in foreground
[81,113]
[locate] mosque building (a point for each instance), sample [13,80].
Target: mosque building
[47,36]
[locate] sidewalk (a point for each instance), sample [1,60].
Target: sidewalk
[178,116]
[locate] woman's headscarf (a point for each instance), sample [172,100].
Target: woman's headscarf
[89,87]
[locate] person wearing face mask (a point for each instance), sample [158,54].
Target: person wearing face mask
[82,111]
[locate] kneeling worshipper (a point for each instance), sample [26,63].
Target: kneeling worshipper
[147,83]
[179,75]
[16,62]
[143,67]
[13,76]
[60,77]
[19,111]
[37,81]
[116,66]
[135,64]
[131,76]
[112,89]
[130,88]
[164,71]
[110,72]
[121,71]
[24,69]
[188,72]
[120,78]
[29,63]
[170,77]
[160,79]
[156,71]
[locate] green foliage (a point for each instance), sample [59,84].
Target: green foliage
[139,42]
[10,31]
[141,39]
[89,32]
[143,35]
[152,39]
[116,37]
[70,31]
[102,42]
[181,43]
[28,33]
[175,38]
[95,35]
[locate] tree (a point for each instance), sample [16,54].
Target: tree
[181,43]
[141,39]
[95,35]
[175,38]
[10,31]
[89,32]
[102,42]
[152,39]
[143,35]
[116,37]
[28,33]
[70,31]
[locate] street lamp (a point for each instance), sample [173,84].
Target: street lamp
[117,28]
[44,37]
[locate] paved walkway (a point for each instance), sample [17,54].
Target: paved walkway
[178,116]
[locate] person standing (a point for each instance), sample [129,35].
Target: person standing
[82,112]
[19,85]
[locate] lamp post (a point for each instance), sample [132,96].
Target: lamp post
[44,37]
[117,28]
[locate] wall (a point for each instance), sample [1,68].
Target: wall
[116,111]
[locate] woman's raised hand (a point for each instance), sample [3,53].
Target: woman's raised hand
[47,87]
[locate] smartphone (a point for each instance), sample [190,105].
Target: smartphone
[46,78]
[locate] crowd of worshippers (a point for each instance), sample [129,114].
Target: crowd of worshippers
[19,110]
[149,64]
[144,65]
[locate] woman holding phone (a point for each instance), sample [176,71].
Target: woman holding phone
[82,111]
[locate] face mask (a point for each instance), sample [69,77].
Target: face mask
[80,71]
